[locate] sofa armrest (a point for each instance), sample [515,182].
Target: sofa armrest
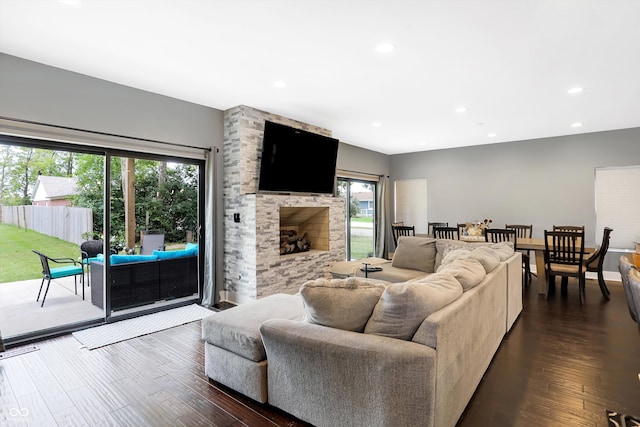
[332,377]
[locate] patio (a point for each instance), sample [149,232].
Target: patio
[20,313]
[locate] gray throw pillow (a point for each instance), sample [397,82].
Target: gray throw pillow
[341,303]
[486,256]
[415,253]
[469,272]
[404,306]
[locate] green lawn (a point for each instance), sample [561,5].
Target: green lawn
[362,219]
[361,247]
[17,262]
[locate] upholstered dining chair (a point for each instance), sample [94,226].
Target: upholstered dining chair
[446,233]
[402,230]
[564,256]
[595,261]
[523,232]
[625,265]
[431,225]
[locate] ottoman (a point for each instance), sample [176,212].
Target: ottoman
[234,354]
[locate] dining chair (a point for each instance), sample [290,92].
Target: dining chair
[524,232]
[634,285]
[431,225]
[462,227]
[402,230]
[497,235]
[73,269]
[446,233]
[564,256]
[568,228]
[595,261]
[625,265]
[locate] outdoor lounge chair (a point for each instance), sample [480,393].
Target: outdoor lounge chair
[151,241]
[49,273]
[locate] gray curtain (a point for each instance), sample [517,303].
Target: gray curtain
[382,214]
[210,293]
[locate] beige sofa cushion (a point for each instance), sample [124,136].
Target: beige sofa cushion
[469,272]
[488,257]
[341,303]
[404,306]
[415,253]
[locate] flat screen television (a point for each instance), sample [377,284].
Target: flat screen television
[297,161]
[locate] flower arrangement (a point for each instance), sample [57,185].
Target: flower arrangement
[477,228]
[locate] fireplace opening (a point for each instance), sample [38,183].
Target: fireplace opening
[303,229]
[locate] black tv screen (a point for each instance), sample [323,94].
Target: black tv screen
[297,161]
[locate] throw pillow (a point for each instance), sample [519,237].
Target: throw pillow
[341,303]
[443,246]
[415,253]
[404,306]
[486,256]
[469,272]
[503,249]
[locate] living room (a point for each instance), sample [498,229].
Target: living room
[542,181]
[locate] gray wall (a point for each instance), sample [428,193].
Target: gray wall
[541,182]
[38,92]
[358,159]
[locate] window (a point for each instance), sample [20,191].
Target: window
[360,221]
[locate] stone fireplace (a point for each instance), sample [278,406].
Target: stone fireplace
[253,265]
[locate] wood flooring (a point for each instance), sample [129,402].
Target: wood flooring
[561,365]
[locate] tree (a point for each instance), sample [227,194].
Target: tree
[20,167]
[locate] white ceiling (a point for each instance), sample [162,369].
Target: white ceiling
[510,63]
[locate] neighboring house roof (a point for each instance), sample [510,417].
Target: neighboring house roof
[363,196]
[54,187]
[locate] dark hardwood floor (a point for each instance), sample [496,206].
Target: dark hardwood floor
[561,365]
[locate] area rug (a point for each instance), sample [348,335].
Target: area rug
[616,419]
[100,336]
[17,351]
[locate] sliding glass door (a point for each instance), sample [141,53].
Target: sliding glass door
[360,221]
[79,204]
[153,233]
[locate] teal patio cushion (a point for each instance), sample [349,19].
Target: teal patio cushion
[69,270]
[122,259]
[175,254]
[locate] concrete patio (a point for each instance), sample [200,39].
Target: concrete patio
[20,313]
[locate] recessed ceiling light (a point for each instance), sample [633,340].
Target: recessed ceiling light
[575,90]
[491,135]
[422,144]
[576,125]
[70,2]
[279,84]
[385,47]
[376,124]
[461,109]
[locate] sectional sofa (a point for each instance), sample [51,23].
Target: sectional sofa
[362,351]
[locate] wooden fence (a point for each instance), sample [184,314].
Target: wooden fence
[62,222]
